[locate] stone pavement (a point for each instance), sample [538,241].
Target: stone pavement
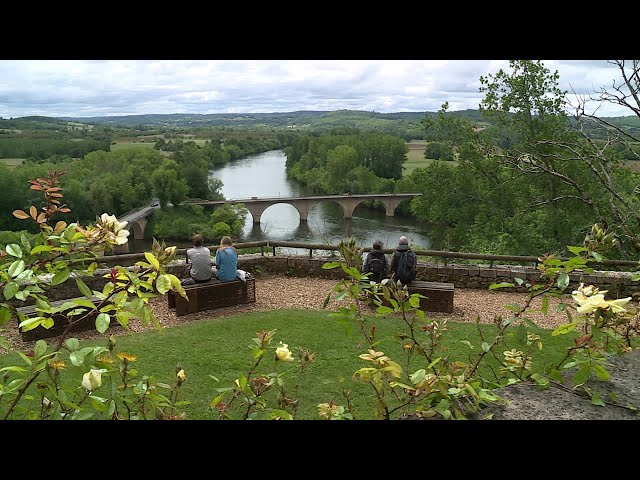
[527,403]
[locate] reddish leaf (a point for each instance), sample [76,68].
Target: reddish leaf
[56,195]
[20,214]
[41,218]
[64,210]
[33,212]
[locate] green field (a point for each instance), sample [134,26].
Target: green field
[415,157]
[127,145]
[12,162]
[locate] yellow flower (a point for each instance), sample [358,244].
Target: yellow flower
[181,376]
[57,364]
[283,354]
[407,346]
[128,357]
[92,379]
[102,358]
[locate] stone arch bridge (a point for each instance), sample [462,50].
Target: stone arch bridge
[257,206]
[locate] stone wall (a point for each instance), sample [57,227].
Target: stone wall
[618,284]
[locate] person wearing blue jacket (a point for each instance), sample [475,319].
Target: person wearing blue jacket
[226,260]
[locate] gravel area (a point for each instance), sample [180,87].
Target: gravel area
[277,292]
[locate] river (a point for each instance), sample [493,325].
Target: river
[264,175]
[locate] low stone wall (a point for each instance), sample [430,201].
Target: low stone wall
[618,284]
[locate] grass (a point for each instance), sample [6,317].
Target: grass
[220,347]
[127,145]
[415,157]
[12,162]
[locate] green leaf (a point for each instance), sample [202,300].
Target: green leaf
[60,277]
[47,322]
[582,376]
[14,250]
[432,364]
[514,307]
[41,248]
[541,380]
[561,307]
[40,348]
[5,315]
[555,374]
[494,286]
[564,329]
[563,281]
[576,250]
[72,344]
[598,258]
[10,289]
[467,343]
[443,408]
[596,400]
[16,268]
[25,359]
[418,376]
[13,368]
[485,346]
[84,290]
[518,280]
[77,357]
[330,265]
[163,284]
[152,260]
[383,309]
[30,323]
[601,372]
[544,308]
[102,322]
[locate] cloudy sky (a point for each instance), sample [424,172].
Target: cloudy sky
[110,87]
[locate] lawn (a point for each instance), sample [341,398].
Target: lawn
[12,162]
[221,347]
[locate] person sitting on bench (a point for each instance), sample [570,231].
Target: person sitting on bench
[226,261]
[199,258]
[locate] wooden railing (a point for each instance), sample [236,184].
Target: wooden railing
[445,255]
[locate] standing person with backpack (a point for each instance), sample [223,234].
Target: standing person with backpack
[376,263]
[403,263]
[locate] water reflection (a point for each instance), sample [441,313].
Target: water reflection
[263,175]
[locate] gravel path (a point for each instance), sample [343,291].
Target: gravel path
[277,292]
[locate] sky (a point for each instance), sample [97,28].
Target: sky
[79,88]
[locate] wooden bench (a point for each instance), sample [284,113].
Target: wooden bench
[60,320]
[213,294]
[439,295]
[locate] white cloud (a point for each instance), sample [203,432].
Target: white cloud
[112,87]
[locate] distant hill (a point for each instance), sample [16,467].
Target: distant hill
[405,124]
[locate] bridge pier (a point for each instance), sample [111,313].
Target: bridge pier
[349,205]
[136,228]
[390,205]
[303,207]
[256,210]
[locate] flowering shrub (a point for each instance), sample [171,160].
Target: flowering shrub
[57,254]
[453,389]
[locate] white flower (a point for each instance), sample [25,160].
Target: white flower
[92,379]
[283,354]
[111,224]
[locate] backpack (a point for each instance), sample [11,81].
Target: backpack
[406,266]
[375,267]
